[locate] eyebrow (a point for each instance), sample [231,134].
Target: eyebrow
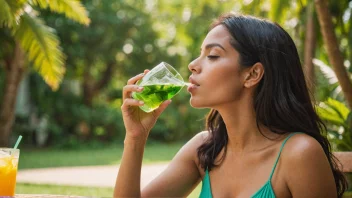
[211,45]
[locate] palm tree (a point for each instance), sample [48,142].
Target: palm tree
[332,46]
[30,42]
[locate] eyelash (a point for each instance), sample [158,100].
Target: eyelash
[212,57]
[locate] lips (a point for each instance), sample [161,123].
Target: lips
[193,82]
[194,85]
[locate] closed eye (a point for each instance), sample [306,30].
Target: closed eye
[212,57]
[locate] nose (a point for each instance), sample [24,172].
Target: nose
[193,66]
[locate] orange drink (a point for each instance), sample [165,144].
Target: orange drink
[8,171]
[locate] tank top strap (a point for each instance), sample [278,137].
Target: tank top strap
[278,156]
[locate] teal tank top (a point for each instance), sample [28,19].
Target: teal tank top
[266,191]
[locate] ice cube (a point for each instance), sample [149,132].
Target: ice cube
[3,162]
[5,166]
[4,158]
[4,154]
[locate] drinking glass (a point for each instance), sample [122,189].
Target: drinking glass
[161,83]
[8,171]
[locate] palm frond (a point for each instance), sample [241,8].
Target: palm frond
[339,107]
[10,12]
[334,112]
[41,3]
[73,9]
[7,18]
[16,5]
[43,50]
[327,71]
[330,115]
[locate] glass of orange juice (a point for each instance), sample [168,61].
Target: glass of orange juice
[8,171]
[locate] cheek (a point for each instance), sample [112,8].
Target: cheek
[227,91]
[226,85]
[217,91]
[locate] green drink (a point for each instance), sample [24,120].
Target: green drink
[154,95]
[160,84]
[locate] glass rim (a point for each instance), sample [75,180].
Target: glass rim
[170,68]
[11,152]
[4,148]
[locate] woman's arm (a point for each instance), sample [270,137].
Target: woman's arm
[128,179]
[307,170]
[138,125]
[177,180]
[181,176]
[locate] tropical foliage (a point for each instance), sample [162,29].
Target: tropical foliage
[26,37]
[339,119]
[39,40]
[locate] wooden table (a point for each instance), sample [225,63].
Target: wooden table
[45,196]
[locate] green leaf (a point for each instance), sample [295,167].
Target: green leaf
[43,49]
[7,18]
[333,111]
[41,3]
[328,114]
[339,107]
[15,5]
[73,9]
[10,11]
[327,71]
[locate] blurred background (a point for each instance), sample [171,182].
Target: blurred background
[63,64]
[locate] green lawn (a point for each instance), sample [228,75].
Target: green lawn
[63,190]
[43,158]
[80,191]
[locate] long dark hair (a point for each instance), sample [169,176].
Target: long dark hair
[281,101]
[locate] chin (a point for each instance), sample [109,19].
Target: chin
[197,104]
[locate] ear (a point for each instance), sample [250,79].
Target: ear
[253,75]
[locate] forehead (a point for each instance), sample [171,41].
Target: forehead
[218,34]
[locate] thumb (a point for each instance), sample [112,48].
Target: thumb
[162,107]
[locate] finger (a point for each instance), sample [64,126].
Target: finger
[129,102]
[146,71]
[134,79]
[161,108]
[128,89]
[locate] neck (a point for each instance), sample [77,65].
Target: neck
[242,130]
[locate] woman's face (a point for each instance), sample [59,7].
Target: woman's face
[216,75]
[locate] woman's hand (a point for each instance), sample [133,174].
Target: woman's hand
[137,122]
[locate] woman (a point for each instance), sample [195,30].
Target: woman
[249,75]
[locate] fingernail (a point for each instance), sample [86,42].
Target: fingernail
[140,88]
[141,102]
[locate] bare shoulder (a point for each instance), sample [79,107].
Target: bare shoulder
[302,150]
[200,137]
[306,167]
[188,154]
[302,147]
[190,148]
